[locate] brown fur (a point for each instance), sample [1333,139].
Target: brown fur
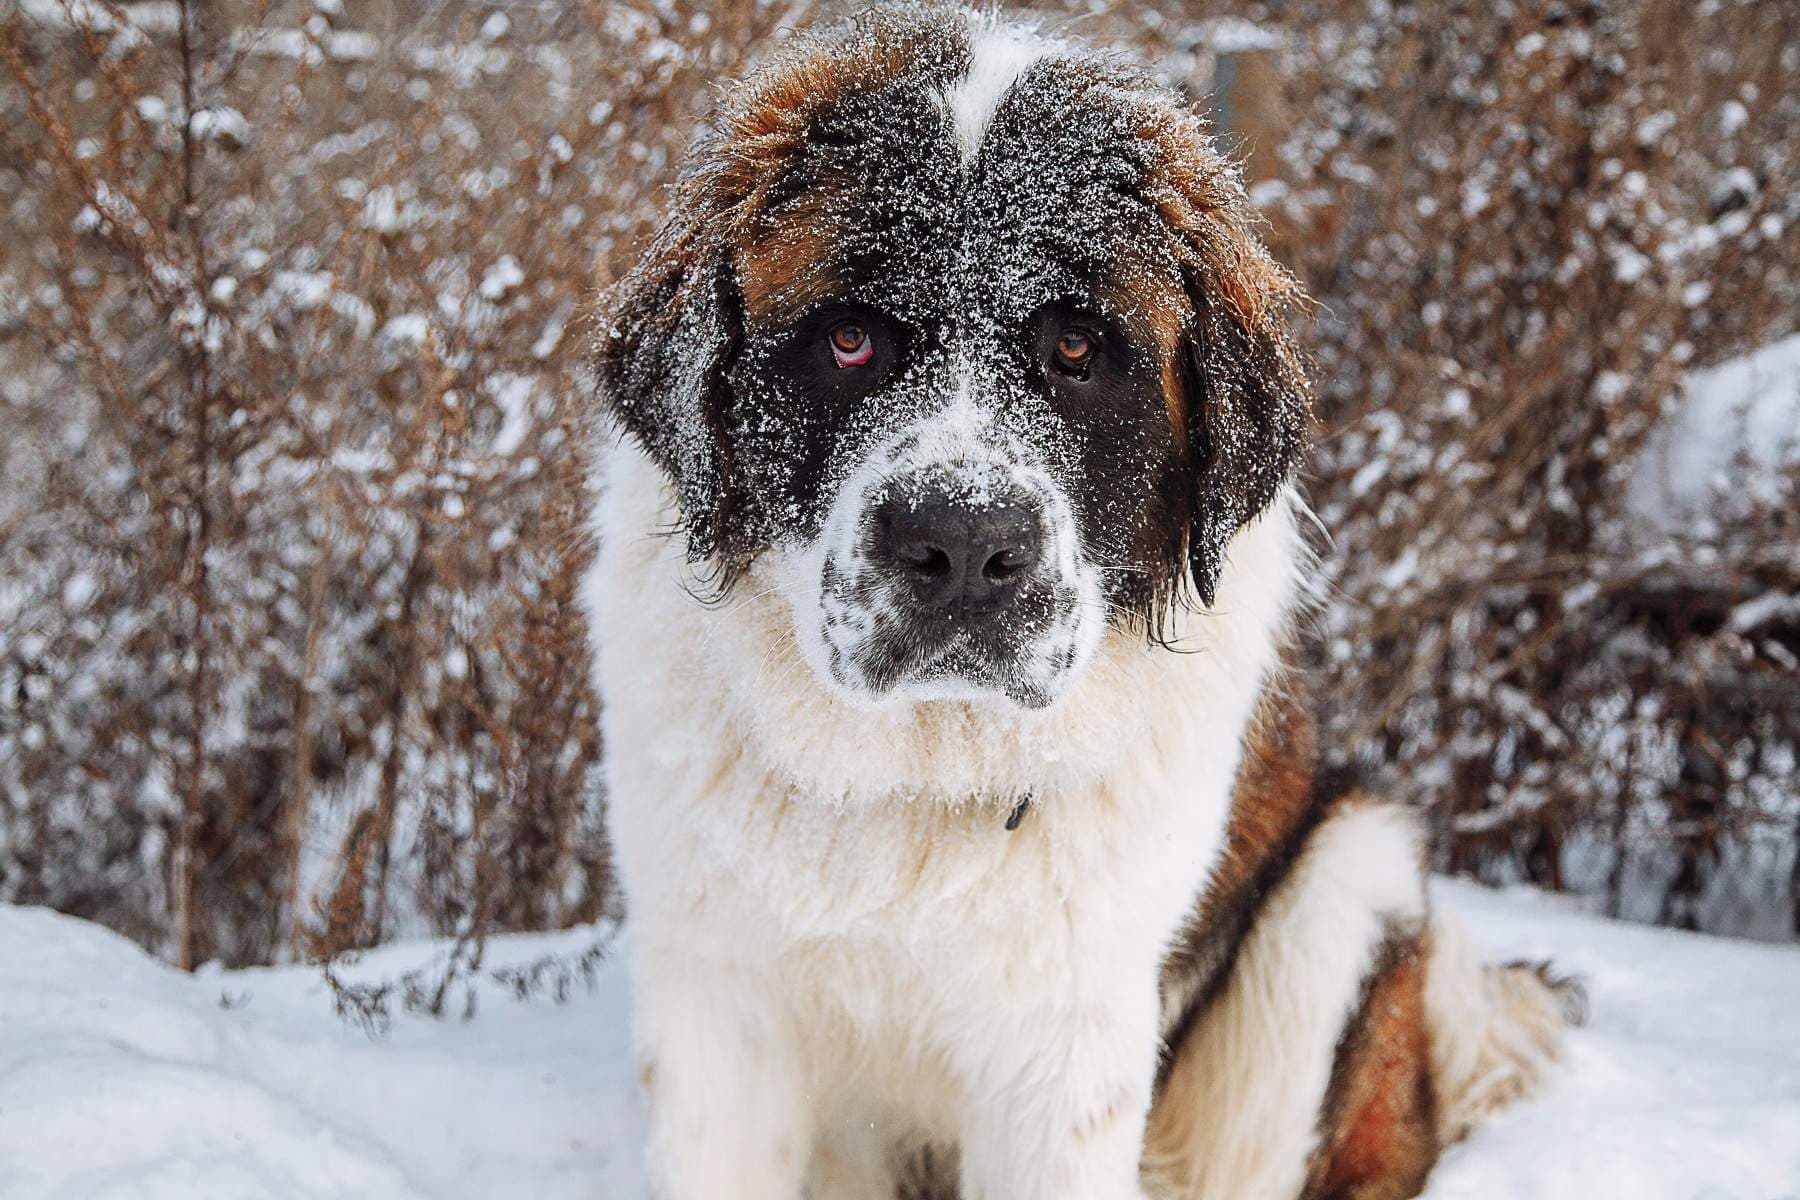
[1175,399]
[1276,803]
[1156,309]
[1378,1125]
[1275,782]
[769,118]
[787,268]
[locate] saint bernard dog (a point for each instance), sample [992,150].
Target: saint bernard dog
[965,801]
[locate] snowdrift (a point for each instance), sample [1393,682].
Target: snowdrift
[121,1079]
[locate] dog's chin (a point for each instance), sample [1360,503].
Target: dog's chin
[959,672]
[896,663]
[890,677]
[898,694]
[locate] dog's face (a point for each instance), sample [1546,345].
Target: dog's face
[966,335]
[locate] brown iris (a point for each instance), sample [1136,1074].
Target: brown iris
[1074,350]
[850,345]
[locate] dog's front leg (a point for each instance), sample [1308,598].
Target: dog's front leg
[1065,1120]
[722,1084]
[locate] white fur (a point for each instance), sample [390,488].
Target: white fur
[1000,54]
[1495,1030]
[1240,1108]
[834,930]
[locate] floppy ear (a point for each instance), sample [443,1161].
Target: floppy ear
[669,332]
[1247,400]
[1247,397]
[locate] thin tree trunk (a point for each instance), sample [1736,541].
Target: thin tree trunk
[1794,885]
[398,692]
[185,868]
[300,795]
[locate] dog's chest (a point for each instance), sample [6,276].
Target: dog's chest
[885,906]
[902,909]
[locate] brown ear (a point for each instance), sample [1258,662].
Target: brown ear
[1248,400]
[668,334]
[1248,404]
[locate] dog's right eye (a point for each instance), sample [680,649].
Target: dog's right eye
[851,345]
[1074,352]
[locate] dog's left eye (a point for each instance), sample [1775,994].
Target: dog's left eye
[1074,351]
[851,345]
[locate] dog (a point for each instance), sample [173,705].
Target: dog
[963,790]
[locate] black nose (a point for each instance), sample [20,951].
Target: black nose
[961,556]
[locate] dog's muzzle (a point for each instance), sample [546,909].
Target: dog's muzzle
[949,566]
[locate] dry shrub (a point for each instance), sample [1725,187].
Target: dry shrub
[1525,224]
[291,501]
[294,513]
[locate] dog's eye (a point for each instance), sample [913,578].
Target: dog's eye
[851,345]
[1074,351]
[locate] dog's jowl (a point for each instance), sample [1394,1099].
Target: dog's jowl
[963,796]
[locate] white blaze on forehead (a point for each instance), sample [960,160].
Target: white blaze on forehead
[955,432]
[998,56]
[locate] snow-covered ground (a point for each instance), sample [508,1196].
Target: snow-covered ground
[121,1079]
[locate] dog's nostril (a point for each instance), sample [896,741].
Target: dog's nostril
[957,557]
[1006,564]
[926,561]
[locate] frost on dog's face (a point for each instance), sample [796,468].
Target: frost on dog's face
[965,334]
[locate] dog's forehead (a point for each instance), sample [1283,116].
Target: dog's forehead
[970,194]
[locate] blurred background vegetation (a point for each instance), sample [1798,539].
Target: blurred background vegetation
[292,305]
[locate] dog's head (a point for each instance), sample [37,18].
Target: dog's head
[968,334]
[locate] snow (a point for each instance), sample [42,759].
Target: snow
[501,278]
[223,123]
[1742,413]
[412,328]
[1229,35]
[155,16]
[1685,1082]
[121,1079]
[303,289]
[513,395]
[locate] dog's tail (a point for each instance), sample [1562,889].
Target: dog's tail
[1496,1028]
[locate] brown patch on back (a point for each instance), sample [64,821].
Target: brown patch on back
[1274,783]
[1378,1125]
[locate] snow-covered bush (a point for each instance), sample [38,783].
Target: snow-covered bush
[1527,225]
[291,511]
[291,504]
